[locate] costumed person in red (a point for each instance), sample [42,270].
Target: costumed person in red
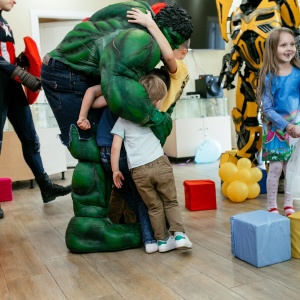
[14,105]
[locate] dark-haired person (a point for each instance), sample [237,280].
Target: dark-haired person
[15,107]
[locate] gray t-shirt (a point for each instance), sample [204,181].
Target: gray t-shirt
[141,145]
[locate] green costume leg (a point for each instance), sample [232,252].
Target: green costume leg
[90,230]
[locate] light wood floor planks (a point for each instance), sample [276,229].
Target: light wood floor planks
[36,265]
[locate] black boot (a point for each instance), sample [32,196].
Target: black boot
[51,190]
[1,213]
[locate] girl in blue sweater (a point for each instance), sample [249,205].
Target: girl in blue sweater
[279,99]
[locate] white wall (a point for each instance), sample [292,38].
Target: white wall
[19,16]
[19,19]
[198,61]
[210,62]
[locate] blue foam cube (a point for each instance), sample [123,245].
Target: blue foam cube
[260,238]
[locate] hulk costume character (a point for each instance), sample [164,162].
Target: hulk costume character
[106,49]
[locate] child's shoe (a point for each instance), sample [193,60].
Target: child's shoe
[166,245]
[151,247]
[289,210]
[182,241]
[273,210]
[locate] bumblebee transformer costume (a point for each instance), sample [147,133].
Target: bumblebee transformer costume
[249,25]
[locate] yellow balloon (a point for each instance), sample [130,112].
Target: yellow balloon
[224,188]
[254,190]
[228,171]
[244,175]
[244,163]
[256,174]
[237,191]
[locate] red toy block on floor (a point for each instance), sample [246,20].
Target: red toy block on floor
[200,194]
[5,189]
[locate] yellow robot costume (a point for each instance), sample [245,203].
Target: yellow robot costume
[249,26]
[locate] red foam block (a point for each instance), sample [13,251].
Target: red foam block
[5,189]
[200,194]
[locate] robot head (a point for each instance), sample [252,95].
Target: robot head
[249,31]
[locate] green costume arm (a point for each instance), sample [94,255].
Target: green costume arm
[82,47]
[129,56]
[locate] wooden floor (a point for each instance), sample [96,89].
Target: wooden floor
[35,263]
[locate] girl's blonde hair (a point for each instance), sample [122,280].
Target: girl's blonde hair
[270,64]
[154,86]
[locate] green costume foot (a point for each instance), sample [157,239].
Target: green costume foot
[85,235]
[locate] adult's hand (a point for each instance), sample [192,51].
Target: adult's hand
[22,61]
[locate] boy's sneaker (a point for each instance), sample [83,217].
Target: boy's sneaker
[166,245]
[151,247]
[182,241]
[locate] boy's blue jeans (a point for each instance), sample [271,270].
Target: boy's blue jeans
[130,193]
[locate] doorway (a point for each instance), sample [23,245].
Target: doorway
[48,30]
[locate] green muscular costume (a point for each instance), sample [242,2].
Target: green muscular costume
[106,49]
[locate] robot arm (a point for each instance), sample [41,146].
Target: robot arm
[223,7]
[231,64]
